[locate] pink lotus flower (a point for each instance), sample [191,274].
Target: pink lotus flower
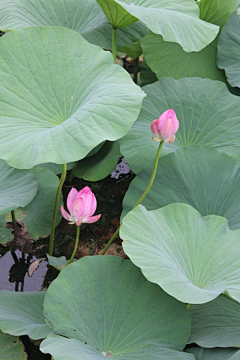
[81,206]
[165,127]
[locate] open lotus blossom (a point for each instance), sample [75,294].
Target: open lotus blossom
[81,206]
[165,127]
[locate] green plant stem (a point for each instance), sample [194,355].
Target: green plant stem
[188,306]
[73,171]
[114,45]
[59,189]
[135,76]
[75,247]
[13,218]
[141,198]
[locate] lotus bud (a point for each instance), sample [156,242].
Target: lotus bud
[165,127]
[81,206]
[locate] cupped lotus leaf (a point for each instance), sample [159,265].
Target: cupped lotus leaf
[100,322]
[100,165]
[208,115]
[214,354]
[192,258]
[85,17]
[11,348]
[60,97]
[21,313]
[216,324]
[170,60]
[197,175]
[37,215]
[175,20]
[228,57]
[17,187]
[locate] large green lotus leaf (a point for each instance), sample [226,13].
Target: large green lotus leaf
[61,97]
[216,324]
[214,354]
[124,316]
[11,348]
[21,313]
[55,168]
[17,188]
[228,57]
[100,165]
[170,60]
[5,234]
[192,258]
[85,17]
[197,175]
[207,112]
[38,214]
[175,20]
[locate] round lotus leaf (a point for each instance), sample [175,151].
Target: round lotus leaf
[174,20]
[168,59]
[21,313]
[192,258]
[228,57]
[17,188]
[61,97]
[11,348]
[108,309]
[196,175]
[216,324]
[214,354]
[85,17]
[207,112]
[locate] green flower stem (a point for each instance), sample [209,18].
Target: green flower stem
[188,306]
[135,76]
[59,189]
[13,218]
[75,247]
[114,45]
[73,171]
[141,198]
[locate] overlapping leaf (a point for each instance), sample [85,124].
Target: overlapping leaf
[216,324]
[11,348]
[197,175]
[97,321]
[22,314]
[83,16]
[229,50]
[17,188]
[192,258]
[214,354]
[170,60]
[175,20]
[207,112]
[61,97]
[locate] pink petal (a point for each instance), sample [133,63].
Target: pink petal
[170,140]
[90,204]
[77,209]
[65,214]
[86,189]
[154,127]
[92,219]
[72,194]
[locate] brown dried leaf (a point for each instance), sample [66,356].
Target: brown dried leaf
[34,265]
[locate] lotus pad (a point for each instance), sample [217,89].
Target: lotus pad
[197,175]
[175,20]
[207,112]
[215,354]
[11,348]
[100,322]
[216,324]
[85,17]
[22,314]
[17,188]
[229,50]
[192,258]
[60,97]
